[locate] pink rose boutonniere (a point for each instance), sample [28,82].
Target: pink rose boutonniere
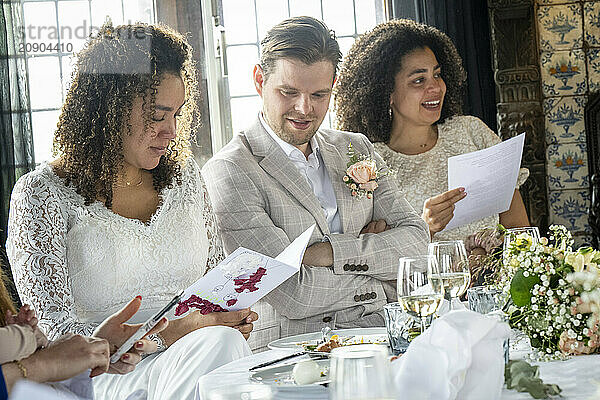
[362,174]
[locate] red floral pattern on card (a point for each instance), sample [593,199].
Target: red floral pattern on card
[250,282]
[203,305]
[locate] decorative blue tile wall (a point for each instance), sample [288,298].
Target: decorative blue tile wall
[591,22]
[567,166]
[570,208]
[564,119]
[563,73]
[560,27]
[569,38]
[556,1]
[593,65]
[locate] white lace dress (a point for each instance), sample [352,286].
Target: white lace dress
[425,175]
[78,264]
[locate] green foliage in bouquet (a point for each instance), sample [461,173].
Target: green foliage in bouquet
[523,377]
[545,300]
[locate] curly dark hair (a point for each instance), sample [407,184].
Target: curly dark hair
[366,81]
[118,65]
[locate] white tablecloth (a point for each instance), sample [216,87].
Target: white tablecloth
[575,376]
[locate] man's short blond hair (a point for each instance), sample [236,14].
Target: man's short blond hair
[299,38]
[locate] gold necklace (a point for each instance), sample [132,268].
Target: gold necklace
[129,183]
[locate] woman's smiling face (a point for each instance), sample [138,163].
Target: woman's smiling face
[419,89]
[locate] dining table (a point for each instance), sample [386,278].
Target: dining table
[578,377]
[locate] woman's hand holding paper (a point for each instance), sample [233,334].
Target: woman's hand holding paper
[439,210]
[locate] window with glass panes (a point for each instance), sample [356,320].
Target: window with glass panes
[247,21]
[53,31]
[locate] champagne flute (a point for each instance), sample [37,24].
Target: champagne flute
[453,264]
[417,293]
[361,372]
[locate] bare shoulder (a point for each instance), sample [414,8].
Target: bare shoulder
[57,168]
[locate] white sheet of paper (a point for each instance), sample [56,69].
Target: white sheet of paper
[489,177]
[228,285]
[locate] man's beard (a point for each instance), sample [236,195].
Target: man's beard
[293,136]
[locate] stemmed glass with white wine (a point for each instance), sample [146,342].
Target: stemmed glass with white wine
[453,263]
[417,293]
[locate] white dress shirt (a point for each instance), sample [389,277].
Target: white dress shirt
[314,170]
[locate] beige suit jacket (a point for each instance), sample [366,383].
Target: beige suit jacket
[262,202]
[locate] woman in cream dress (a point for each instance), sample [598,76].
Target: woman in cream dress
[401,85]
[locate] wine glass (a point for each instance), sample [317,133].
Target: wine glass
[453,263]
[361,372]
[418,294]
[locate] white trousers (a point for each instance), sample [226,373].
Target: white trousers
[174,373]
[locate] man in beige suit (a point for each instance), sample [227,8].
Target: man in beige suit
[284,174]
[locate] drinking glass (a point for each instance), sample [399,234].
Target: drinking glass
[399,325]
[361,372]
[242,392]
[512,233]
[453,263]
[418,294]
[488,301]
[484,299]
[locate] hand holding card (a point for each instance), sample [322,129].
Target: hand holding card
[243,278]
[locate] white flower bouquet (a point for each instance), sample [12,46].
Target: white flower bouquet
[554,292]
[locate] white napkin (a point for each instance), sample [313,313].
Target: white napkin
[78,387]
[460,356]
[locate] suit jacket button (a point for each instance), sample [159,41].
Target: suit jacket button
[373,295]
[352,267]
[357,298]
[362,297]
[365,267]
[327,319]
[346,267]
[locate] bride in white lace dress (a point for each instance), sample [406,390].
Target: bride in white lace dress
[124,212]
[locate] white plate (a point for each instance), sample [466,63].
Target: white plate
[369,335]
[281,376]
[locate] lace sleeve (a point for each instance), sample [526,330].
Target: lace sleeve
[36,248]
[215,246]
